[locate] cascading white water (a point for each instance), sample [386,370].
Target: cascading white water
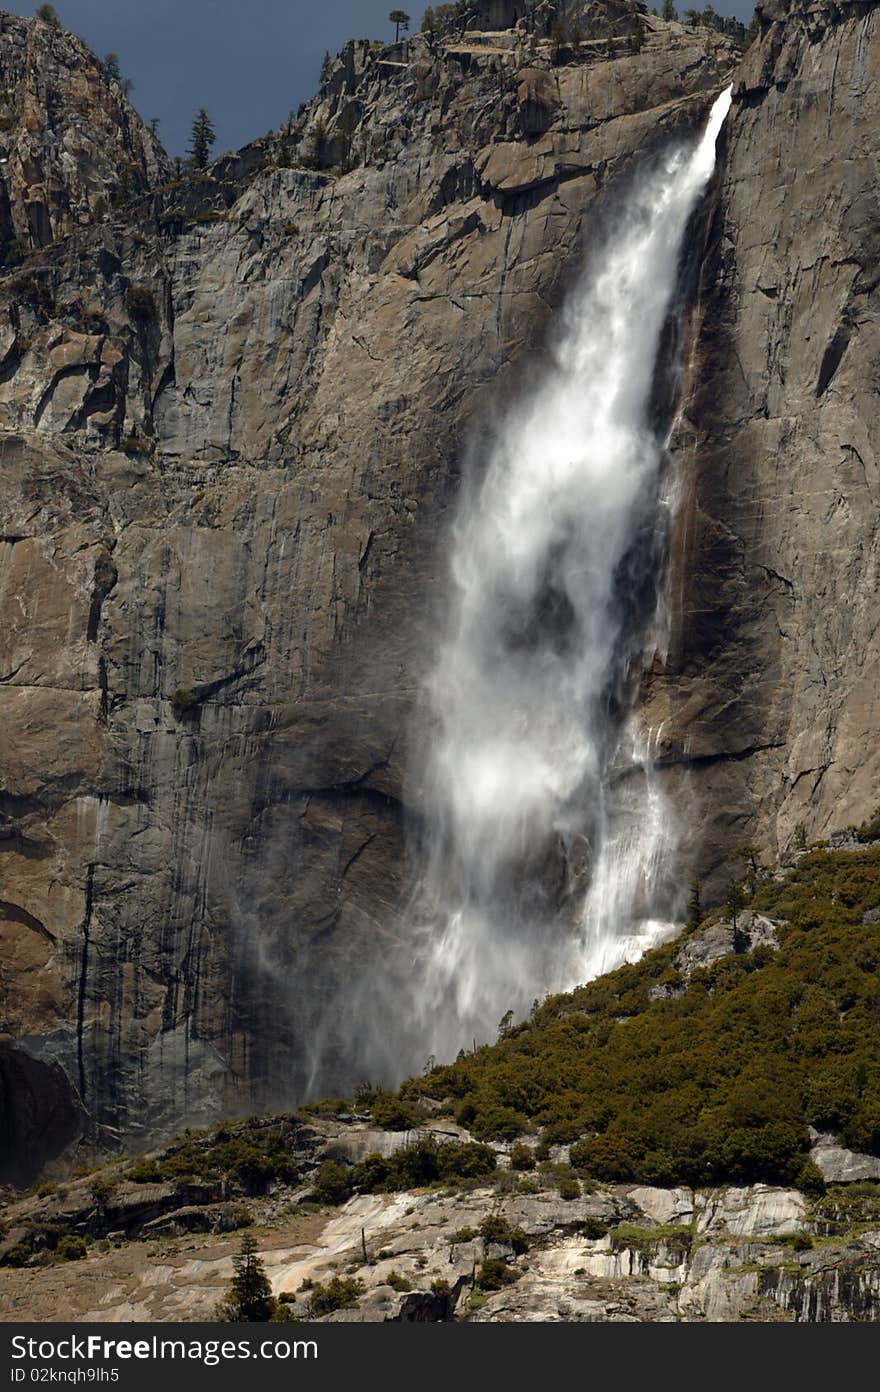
[545,834]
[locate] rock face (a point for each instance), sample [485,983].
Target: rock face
[68,136]
[838,1165]
[770,692]
[232,423]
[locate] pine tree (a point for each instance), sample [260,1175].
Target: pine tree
[250,1299]
[669,11]
[201,139]
[49,15]
[317,146]
[111,66]
[734,903]
[637,36]
[400,20]
[750,854]
[695,904]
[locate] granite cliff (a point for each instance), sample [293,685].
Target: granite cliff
[770,687]
[233,410]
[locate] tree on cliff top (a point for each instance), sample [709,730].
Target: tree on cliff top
[400,20]
[113,71]
[49,15]
[202,138]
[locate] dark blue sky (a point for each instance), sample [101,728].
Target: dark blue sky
[250,62]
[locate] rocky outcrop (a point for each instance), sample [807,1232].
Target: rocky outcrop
[720,937]
[233,420]
[70,142]
[709,944]
[769,693]
[515,1250]
[838,1165]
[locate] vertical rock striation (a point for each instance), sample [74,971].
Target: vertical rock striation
[770,692]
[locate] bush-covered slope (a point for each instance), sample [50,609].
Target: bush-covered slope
[711,1079]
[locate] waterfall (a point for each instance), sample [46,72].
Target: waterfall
[546,832]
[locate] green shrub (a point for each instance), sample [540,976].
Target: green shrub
[71,1248]
[465,1112]
[494,1123]
[522,1157]
[495,1228]
[569,1189]
[145,1172]
[634,1236]
[339,1293]
[389,1113]
[251,1159]
[398,1282]
[579,1155]
[19,1255]
[494,1275]
[136,444]
[332,1184]
[102,1189]
[465,1160]
[561,1132]
[593,1229]
[184,699]
[420,1164]
[465,1234]
[371,1175]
